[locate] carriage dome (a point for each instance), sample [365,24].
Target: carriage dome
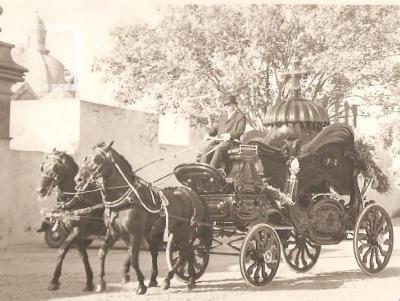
[296,109]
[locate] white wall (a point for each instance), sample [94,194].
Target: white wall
[40,125]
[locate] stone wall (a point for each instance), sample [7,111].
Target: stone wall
[20,174]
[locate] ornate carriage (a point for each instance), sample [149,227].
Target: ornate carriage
[316,166]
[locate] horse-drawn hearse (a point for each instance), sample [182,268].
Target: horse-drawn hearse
[296,188]
[289,191]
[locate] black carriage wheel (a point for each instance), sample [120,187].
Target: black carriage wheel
[260,255]
[54,239]
[373,239]
[201,255]
[300,254]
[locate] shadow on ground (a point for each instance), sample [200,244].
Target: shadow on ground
[320,281]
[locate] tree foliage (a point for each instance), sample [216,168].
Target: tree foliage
[196,53]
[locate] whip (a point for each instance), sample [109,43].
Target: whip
[171,156]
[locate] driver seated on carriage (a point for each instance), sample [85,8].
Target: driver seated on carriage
[230,127]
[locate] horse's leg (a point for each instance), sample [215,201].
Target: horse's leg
[182,235]
[153,248]
[125,268]
[63,250]
[167,280]
[81,246]
[136,241]
[109,241]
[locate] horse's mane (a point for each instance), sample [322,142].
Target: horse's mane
[123,163]
[72,164]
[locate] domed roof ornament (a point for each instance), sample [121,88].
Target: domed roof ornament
[296,109]
[38,35]
[296,74]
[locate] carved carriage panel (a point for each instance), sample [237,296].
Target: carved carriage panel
[326,222]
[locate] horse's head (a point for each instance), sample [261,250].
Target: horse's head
[99,164]
[56,168]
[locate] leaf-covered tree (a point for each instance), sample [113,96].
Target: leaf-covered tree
[196,53]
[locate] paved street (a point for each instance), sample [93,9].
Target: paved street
[26,270]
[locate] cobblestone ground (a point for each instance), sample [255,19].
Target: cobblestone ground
[26,270]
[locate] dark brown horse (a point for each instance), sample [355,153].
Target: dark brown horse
[82,212]
[134,213]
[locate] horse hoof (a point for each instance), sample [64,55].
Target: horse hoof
[88,288]
[166,285]
[125,279]
[191,285]
[101,287]
[141,290]
[54,286]
[153,283]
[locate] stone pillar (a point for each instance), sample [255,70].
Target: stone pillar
[10,73]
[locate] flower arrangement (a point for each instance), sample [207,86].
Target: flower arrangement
[369,167]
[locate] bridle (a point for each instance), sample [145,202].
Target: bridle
[107,155]
[52,175]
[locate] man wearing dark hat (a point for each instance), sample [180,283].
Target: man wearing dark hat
[230,127]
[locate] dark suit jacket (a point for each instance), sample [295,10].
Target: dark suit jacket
[234,125]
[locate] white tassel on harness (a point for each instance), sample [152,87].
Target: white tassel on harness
[164,205]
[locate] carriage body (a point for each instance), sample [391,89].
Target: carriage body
[327,203]
[237,200]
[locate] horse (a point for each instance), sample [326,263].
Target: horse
[82,212]
[136,212]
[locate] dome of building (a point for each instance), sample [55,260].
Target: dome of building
[46,73]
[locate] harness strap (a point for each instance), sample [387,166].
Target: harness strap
[134,190]
[88,209]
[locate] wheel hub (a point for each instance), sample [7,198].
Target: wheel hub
[55,235]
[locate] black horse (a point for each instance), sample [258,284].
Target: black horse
[135,211]
[82,213]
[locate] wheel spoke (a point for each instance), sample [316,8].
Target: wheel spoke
[377,221]
[365,257]
[371,258]
[257,273]
[381,223]
[308,253]
[290,254]
[263,272]
[182,266]
[377,259]
[296,261]
[361,248]
[386,230]
[251,268]
[383,252]
[303,260]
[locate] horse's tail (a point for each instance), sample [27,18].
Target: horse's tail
[205,231]
[204,227]
[201,215]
